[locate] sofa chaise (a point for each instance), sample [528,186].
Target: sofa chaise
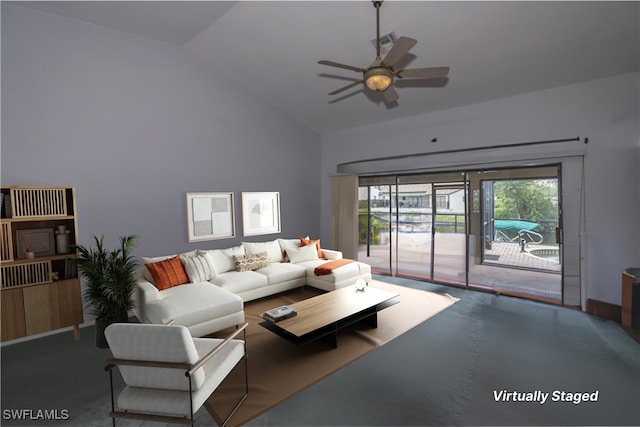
[205,290]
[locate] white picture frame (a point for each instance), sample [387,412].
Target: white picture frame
[260,213]
[210,216]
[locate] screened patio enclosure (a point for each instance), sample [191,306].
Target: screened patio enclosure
[484,229]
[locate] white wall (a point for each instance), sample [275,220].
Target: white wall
[134,124]
[606,111]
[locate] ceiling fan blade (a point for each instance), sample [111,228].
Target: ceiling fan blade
[349,86]
[424,73]
[400,48]
[390,95]
[346,67]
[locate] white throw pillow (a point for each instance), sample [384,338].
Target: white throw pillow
[286,244]
[271,248]
[209,257]
[304,253]
[151,260]
[222,259]
[198,268]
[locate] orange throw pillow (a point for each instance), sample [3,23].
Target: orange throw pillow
[304,242]
[168,273]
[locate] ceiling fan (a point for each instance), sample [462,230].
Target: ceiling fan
[380,74]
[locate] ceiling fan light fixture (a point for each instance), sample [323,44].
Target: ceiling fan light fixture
[378,78]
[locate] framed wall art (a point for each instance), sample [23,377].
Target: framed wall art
[260,213]
[210,216]
[41,241]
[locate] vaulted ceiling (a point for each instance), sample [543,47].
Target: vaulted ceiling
[495,49]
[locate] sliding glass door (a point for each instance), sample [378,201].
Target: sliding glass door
[520,251]
[375,212]
[413,229]
[415,226]
[450,233]
[490,229]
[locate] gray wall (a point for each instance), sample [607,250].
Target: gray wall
[606,111]
[134,124]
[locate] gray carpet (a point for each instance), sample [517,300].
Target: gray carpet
[442,372]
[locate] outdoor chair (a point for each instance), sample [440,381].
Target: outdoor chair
[168,374]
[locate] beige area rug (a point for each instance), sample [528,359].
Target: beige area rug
[278,369]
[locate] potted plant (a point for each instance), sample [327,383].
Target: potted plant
[110,280]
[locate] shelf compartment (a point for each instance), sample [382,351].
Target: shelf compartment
[6,242]
[28,273]
[38,202]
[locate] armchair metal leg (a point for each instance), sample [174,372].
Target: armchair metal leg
[113,420]
[224,423]
[246,383]
[191,399]
[243,398]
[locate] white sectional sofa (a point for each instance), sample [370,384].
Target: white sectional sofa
[218,281]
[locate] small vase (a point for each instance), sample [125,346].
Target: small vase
[62,240]
[29,255]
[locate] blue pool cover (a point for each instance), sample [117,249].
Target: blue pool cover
[513,225]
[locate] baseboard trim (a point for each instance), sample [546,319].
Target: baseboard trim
[604,310]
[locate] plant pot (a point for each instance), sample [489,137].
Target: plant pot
[101,325]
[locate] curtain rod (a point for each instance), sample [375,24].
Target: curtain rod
[462,150]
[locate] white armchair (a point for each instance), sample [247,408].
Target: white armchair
[168,374]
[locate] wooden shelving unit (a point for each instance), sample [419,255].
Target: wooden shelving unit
[39,279]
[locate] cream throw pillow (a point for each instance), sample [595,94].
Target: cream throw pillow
[304,253]
[222,259]
[198,268]
[286,245]
[272,248]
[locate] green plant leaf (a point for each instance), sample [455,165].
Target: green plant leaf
[109,276]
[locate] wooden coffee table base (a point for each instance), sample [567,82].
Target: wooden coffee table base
[327,330]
